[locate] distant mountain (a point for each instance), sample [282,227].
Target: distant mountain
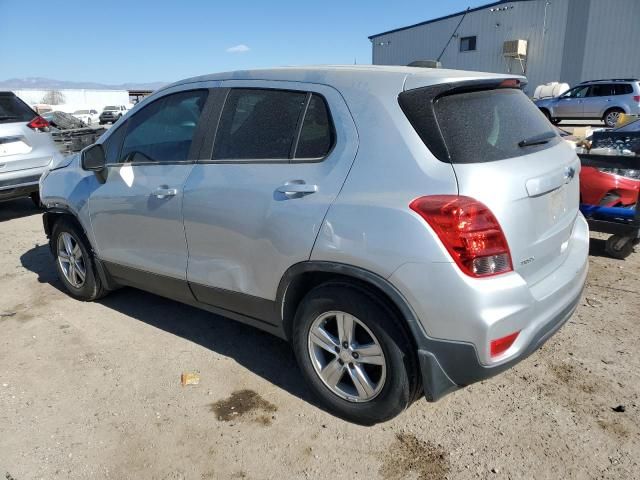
[49,84]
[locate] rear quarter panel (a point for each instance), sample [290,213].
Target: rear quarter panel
[370,224]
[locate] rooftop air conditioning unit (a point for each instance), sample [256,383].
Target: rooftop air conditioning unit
[515,48]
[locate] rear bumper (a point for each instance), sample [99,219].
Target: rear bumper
[20,183]
[459,316]
[448,366]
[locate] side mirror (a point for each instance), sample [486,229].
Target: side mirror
[93,158]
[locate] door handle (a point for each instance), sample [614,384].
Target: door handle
[164,192]
[297,187]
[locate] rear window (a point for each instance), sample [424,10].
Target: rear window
[12,109]
[480,126]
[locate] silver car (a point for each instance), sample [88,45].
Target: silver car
[409,231]
[595,100]
[26,148]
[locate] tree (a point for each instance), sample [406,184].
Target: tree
[53,97]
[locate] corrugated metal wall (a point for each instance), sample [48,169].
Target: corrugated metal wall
[601,54]
[613,40]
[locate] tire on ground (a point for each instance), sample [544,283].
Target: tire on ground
[92,288]
[402,371]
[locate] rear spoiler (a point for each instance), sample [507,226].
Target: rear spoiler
[418,105]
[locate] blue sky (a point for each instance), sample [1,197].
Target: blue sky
[116,41]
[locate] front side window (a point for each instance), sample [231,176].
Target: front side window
[467,44]
[258,124]
[578,92]
[112,144]
[163,130]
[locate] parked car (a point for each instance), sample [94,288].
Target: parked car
[87,116]
[612,187]
[409,231]
[26,149]
[596,100]
[112,113]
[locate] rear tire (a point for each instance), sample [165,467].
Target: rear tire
[553,120]
[75,262]
[611,117]
[369,387]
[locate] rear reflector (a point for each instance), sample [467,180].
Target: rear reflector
[469,231]
[38,123]
[501,345]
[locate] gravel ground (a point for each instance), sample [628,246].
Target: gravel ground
[92,390]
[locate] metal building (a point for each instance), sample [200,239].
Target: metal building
[546,40]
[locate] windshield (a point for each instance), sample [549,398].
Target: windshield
[111,107]
[82,112]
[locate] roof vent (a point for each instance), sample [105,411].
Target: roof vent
[426,64]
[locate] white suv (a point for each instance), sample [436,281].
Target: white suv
[26,148]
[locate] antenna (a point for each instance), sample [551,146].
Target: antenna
[453,34]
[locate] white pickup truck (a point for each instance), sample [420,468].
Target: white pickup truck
[112,113]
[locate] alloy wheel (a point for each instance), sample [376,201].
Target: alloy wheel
[71,260]
[347,356]
[612,119]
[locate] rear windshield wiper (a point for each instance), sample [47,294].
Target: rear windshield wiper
[7,117]
[537,139]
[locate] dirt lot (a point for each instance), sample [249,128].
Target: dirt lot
[92,390]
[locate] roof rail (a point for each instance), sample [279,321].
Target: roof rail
[611,80]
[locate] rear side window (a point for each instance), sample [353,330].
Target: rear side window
[480,126]
[622,89]
[258,124]
[12,109]
[317,135]
[163,131]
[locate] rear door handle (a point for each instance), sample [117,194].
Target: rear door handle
[164,192]
[297,188]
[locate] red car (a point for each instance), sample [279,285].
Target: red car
[604,187]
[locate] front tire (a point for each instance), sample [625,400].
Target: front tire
[611,117]
[355,353]
[74,261]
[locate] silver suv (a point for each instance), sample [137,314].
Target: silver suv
[596,100]
[409,231]
[26,149]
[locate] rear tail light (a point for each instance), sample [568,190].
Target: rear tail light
[501,345]
[469,231]
[510,83]
[38,123]
[636,98]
